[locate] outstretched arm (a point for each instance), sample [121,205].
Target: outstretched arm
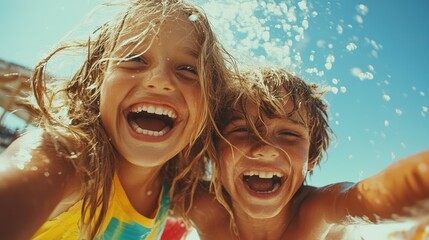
[399,192]
[32,183]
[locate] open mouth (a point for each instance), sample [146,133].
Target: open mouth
[151,120]
[263,182]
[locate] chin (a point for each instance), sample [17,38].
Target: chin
[263,211]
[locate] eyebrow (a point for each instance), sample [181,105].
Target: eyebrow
[295,119]
[191,51]
[237,116]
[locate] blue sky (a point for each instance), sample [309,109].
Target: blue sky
[373,55]
[376,120]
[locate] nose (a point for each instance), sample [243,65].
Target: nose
[159,79]
[265,151]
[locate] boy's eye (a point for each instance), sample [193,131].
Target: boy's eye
[289,133]
[240,130]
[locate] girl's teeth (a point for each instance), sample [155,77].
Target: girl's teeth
[149,132]
[151,109]
[159,111]
[156,110]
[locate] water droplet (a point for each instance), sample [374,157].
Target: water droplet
[398,111]
[386,97]
[351,47]
[73,155]
[362,9]
[423,167]
[193,17]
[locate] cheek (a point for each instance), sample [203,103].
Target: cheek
[103,103]
[226,174]
[228,161]
[111,95]
[304,170]
[224,155]
[195,103]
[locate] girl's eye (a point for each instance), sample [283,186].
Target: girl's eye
[188,68]
[135,59]
[187,72]
[133,62]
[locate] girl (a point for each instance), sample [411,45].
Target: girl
[123,135]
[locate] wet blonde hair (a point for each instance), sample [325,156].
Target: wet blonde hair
[69,110]
[268,89]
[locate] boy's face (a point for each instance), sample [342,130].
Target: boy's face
[260,177]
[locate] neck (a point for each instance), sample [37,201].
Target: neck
[263,228]
[142,186]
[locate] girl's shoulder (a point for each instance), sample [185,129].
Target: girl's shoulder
[36,147]
[35,180]
[205,204]
[36,154]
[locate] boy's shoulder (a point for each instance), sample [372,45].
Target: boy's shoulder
[321,196]
[320,203]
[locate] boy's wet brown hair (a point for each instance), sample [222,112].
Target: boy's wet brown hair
[69,109]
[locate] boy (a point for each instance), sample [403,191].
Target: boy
[274,131]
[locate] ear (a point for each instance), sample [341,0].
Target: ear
[310,166]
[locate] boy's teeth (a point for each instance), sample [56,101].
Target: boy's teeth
[266,175]
[261,174]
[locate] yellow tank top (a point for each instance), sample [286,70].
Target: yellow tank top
[122,220]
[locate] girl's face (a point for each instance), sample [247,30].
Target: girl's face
[261,178]
[149,101]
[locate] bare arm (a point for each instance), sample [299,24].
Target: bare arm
[32,183]
[399,192]
[209,217]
